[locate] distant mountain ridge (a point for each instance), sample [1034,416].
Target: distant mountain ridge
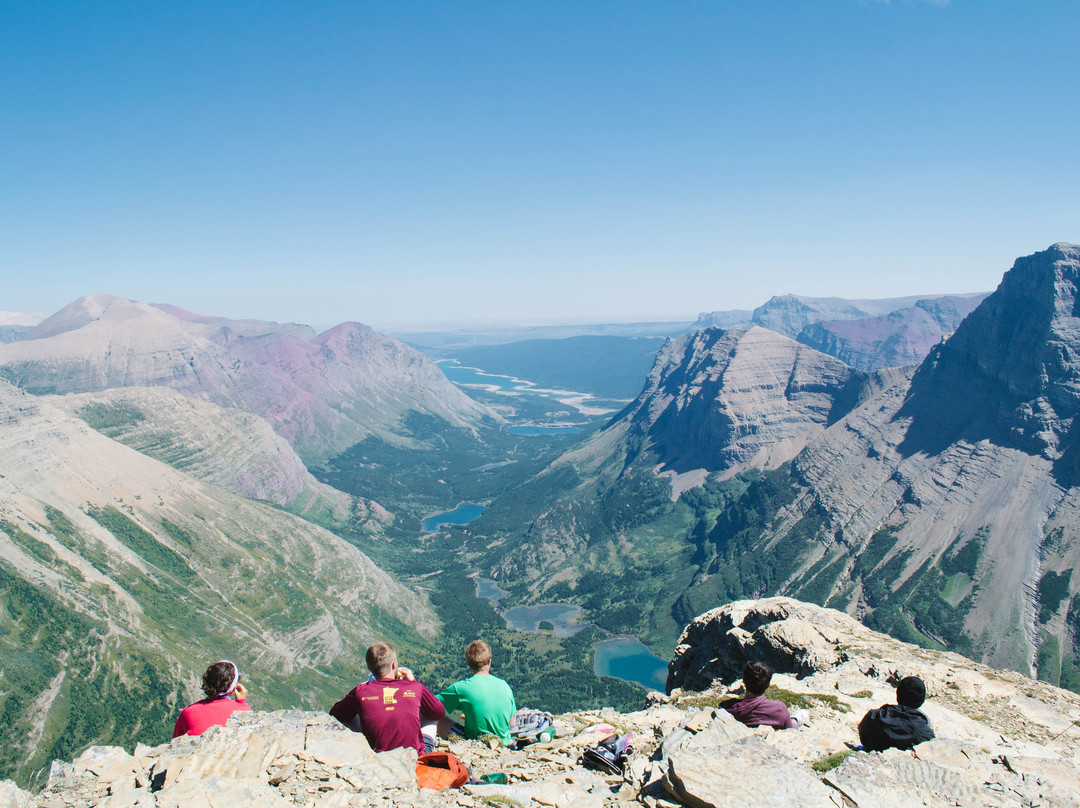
[866,334]
[322,392]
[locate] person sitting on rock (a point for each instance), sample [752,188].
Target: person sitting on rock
[389,709]
[753,709]
[900,725]
[486,701]
[224,696]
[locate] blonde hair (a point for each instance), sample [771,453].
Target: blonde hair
[478,655]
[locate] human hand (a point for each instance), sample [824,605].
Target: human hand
[240,693]
[405,673]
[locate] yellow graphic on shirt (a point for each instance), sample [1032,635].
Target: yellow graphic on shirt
[388,695]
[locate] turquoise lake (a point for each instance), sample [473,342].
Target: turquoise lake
[461,515]
[630,659]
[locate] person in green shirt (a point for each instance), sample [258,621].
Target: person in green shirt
[486,701]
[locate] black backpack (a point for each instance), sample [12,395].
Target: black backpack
[610,755]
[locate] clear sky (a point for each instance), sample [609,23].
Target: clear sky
[402,163]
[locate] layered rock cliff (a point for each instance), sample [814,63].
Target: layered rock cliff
[323,392]
[725,400]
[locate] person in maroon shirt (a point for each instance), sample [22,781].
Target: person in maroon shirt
[753,709]
[224,696]
[389,708]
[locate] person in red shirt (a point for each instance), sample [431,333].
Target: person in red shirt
[224,696]
[389,708]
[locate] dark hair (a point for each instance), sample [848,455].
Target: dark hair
[911,692]
[756,677]
[218,678]
[478,655]
[380,659]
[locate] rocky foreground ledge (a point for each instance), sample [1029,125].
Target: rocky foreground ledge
[1003,740]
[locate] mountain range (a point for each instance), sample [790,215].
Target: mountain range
[937,503]
[322,392]
[865,334]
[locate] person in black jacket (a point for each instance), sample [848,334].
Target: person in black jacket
[899,725]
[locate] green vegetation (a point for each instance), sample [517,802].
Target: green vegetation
[830,761]
[142,543]
[111,418]
[1053,589]
[924,609]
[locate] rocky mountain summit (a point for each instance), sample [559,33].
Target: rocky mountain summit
[1002,740]
[323,392]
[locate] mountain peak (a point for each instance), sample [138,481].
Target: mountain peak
[1011,372]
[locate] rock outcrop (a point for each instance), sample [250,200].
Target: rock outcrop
[1002,740]
[323,393]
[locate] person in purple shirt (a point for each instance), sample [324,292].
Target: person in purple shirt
[753,709]
[389,709]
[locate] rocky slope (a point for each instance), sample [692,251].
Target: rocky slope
[121,576]
[323,393]
[728,400]
[1002,740]
[228,448]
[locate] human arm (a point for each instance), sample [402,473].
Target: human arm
[450,698]
[347,710]
[240,694]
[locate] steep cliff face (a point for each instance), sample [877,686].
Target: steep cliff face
[120,576]
[323,393]
[722,400]
[944,510]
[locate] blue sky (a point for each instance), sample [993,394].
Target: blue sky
[398,162]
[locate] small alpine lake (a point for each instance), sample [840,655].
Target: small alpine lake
[461,515]
[630,659]
[624,657]
[563,616]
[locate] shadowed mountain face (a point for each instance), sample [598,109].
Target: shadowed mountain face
[718,399]
[122,578]
[1011,372]
[322,393]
